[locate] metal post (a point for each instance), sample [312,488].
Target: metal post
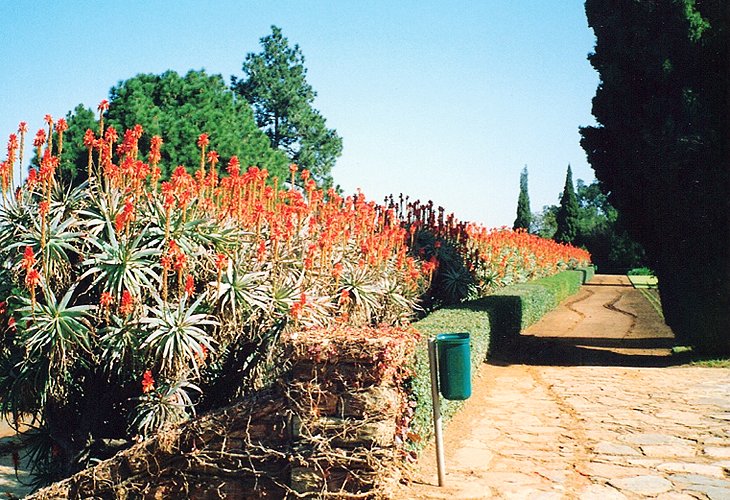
[436,400]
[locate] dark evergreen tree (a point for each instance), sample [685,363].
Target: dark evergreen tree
[660,149]
[179,109]
[567,216]
[275,84]
[75,156]
[601,231]
[524,216]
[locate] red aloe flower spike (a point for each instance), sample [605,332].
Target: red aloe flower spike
[101,108]
[28,258]
[148,382]
[189,285]
[126,305]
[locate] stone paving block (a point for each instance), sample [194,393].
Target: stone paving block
[610,470]
[675,495]
[716,489]
[717,451]
[656,439]
[601,492]
[666,451]
[644,462]
[606,448]
[683,417]
[514,478]
[478,456]
[701,469]
[642,485]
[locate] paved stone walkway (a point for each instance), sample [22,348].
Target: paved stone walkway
[11,485]
[590,408]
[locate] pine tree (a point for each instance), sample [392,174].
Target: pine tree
[275,85]
[568,212]
[524,217]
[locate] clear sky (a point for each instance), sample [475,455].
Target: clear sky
[441,100]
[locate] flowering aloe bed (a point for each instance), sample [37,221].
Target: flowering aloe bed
[131,301]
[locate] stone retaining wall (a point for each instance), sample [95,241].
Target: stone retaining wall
[329,429]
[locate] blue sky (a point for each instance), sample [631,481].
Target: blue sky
[441,100]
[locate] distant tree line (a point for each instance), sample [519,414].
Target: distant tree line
[585,218]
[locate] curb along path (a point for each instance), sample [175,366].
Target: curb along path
[589,408]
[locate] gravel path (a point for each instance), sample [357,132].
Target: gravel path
[590,408]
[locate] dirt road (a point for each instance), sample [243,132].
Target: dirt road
[590,407]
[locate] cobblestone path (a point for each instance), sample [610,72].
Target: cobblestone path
[590,408]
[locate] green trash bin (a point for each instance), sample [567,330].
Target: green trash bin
[454,360]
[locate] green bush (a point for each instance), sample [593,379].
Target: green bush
[492,322]
[641,271]
[588,272]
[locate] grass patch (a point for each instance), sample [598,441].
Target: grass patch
[712,363]
[652,295]
[685,355]
[640,271]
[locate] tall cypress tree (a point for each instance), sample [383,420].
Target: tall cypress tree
[661,151]
[567,216]
[524,217]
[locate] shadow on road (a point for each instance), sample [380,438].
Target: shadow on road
[608,323]
[576,351]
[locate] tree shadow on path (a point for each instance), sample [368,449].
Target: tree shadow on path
[579,333]
[576,351]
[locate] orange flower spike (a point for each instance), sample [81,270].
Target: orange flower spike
[101,108]
[261,252]
[213,158]
[43,208]
[293,170]
[344,298]
[61,127]
[32,278]
[39,141]
[234,167]
[106,300]
[155,154]
[203,142]
[189,285]
[28,258]
[49,137]
[126,305]
[148,382]
[22,130]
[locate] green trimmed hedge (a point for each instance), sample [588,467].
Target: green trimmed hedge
[588,273]
[494,323]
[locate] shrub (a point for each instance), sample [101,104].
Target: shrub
[131,303]
[641,271]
